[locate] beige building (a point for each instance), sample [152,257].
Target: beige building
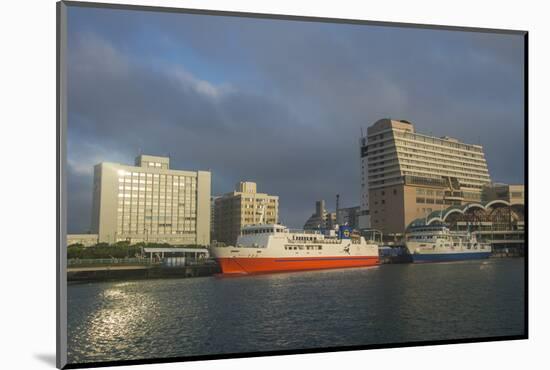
[245,206]
[150,202]
[513,194]
[406,175]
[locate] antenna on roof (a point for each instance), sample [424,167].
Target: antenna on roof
[361,128]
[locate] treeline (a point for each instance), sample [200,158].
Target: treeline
[118,250]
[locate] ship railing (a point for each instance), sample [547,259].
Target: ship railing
[317,241]
[302,231]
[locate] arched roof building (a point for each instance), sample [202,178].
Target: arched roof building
[493,216]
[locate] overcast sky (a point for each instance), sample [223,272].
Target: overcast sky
[278,102]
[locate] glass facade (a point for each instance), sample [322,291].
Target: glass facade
[156,204]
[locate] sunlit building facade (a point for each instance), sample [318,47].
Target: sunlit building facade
[242,207]
[150,202]
[406,175]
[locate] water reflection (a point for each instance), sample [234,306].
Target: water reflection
[387,304]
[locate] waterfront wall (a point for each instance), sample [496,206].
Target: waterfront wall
[100,273]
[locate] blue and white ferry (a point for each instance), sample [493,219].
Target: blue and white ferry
[436,243]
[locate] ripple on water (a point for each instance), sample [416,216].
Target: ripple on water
[387,304]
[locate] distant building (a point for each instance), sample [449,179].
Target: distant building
[150,202]
[213,216]
[242,207]
[406,175]
[348,216]
[321,219]
[510,193]
[86,240]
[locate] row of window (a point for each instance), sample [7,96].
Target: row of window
[428,169]
[152,227]
[154,164]
[403,146]
[156,182]
[251,213]
[420,191]
[156,215]
[121,232]
[157,189]
[392,151]
[251,220]
[159,222]
[259,206]
[445,164]
[437,141]
[262,231]
[304,247]
[432,201]
[258,200]
[123,173]
[155,196]
[148,206]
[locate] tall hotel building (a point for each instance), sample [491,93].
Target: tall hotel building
[406,175]
[150,202]
[245,206]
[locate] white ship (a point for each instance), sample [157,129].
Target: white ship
[435,243]
[270,247]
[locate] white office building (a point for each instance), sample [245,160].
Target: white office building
[150,202]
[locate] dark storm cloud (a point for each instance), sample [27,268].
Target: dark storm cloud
[280,103]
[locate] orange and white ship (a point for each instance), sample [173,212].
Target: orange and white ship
[271,247]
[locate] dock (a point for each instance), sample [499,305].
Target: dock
[140,271]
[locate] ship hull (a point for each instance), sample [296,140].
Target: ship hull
[446,257]
[243,265]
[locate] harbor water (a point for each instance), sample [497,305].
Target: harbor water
[218,315]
